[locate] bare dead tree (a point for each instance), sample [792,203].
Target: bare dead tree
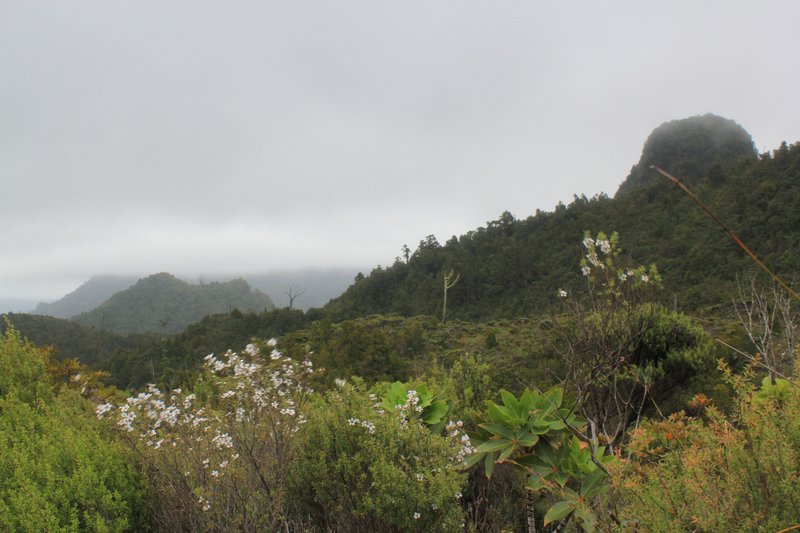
[765,311]
[293,292]
[449,281]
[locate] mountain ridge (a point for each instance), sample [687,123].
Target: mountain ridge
[162,303]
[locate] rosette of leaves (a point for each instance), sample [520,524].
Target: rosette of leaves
[534,433]
[431,410]
[573,474]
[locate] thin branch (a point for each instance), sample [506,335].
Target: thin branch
[725,228]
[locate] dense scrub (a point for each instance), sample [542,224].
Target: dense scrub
[60,470]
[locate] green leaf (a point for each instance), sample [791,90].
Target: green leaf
[510,402]
[528,440]
[473,459]
[526,401]
[558,511]
[434,412]
[492,445]
[593,484]
[499,414]
[546,455]
[395,395]
[488,464]
[561,478]
[498,429]
[506,453]
[529,460]
[555,397]
[535,482]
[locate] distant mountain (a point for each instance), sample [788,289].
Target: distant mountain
[86,297]
[163,304]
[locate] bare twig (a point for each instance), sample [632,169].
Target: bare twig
[725,228]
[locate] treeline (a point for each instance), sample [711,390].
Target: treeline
[70,340]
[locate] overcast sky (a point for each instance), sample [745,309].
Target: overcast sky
[228,136]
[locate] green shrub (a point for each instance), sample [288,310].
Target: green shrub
[24,365]
[59,471]
[361,468]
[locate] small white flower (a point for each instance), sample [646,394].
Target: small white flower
[562,293]
[417,516]
[103,408]
[586,270]
[205,503]
[339,382]
[251,349]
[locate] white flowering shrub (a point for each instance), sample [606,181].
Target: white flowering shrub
[608,276]
[220,464]
[622,352]
[362,467]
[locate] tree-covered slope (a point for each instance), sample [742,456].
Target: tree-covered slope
[175,360]
[513,267]
[164,304]
[71,340]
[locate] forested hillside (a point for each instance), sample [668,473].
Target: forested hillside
[163,304]
[513,267]
[72,340]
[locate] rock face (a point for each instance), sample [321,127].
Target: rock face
[689,149]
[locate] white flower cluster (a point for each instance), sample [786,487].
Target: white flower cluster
[411,408]
[601,253]
[458,437]
[257,395]
[255,388]
[369,426]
